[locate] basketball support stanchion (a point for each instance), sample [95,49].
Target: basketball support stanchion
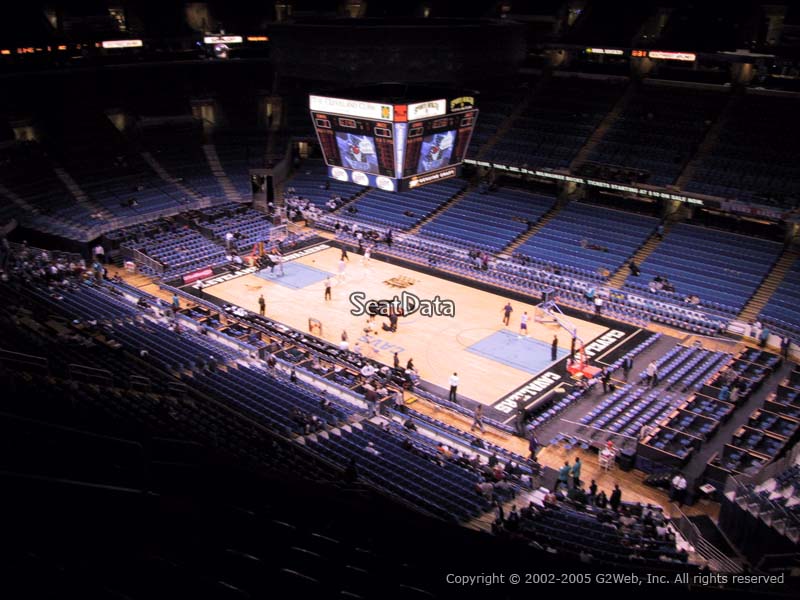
[580,366]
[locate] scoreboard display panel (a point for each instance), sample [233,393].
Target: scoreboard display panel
[393,146]
[357,144]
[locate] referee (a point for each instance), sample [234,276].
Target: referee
[453,388]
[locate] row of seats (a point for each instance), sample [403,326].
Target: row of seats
[179,251]
[782,310]
[248,225]
[659,130]
[258,394]
[589,238]
[403,211]
[488,220]
[311,182]
[723,269]
[560,117]
[449,490]
[626,410]
[753,157]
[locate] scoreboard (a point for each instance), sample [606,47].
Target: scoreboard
[394,146]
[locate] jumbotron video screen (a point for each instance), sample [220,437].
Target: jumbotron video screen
[393,146]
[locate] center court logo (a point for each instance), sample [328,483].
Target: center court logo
[405,304]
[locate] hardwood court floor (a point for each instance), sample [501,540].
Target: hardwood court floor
[438,345]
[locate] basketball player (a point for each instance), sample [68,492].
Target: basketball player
[328,288]
[341,268]
[523,324]
[507,310]
[367,253]
[262,305]
[344,255]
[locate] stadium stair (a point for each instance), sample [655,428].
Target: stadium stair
[619,278]
[526,235]
[200,201]
[231,193]
[521,108]
[16,199]
[603,127]
[450,203]
[708,142]
[771,282]
[348,202]
[712,544]
[80,196]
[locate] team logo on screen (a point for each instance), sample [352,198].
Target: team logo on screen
[386,112]
[462,103]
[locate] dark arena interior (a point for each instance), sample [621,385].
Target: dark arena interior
[413,299]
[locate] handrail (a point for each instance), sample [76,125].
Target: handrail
[486,452]
[791,556]
[139,381]
[68,256]
[715,556]
[19,358]
[89,372]
[613,433]
[74,430]
[141,258]
[765,506]
[74,482]
[770,470]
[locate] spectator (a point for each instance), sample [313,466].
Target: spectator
[605,377]
[627,365]
[486,488]
[652,374]
[533,447]
[563,476]
[616,498]
[576,472]
[598,305]
[678,488]
[785,345]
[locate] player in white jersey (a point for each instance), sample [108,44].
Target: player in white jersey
[523,324]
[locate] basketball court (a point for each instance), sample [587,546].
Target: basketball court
[491,360]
